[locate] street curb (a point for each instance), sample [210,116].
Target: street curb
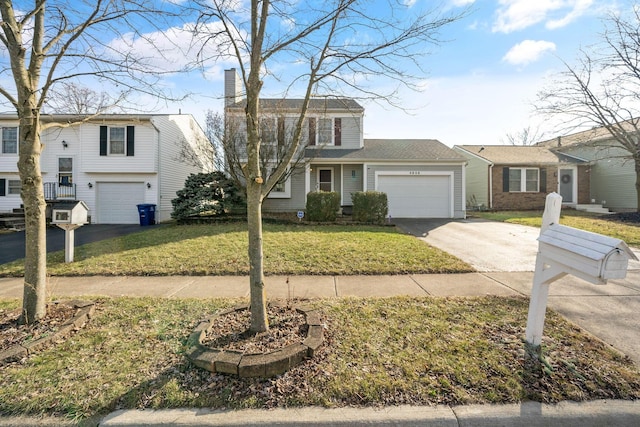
[530,414]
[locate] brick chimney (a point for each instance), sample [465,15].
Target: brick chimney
[232,87]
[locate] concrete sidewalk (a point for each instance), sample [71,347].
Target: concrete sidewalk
[609,312]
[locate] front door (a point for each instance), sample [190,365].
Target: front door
[65,178]
[325,179]
[566,185]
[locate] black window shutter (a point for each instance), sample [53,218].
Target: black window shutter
[505,180]
[543,180]
[3,187]
[131,140]
[281,132]
[337,131]
[103,140]
[312,131]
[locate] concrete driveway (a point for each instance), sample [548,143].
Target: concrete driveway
[506,253]
[486,245]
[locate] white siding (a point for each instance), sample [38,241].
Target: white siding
[174,132]
[144,160]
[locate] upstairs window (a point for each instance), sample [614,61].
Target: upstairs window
[268,130]
[323,131]
[117,140]
[10,140]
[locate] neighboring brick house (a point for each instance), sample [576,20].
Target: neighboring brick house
[520,177]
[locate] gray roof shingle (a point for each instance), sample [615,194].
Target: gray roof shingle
[391,149]
[516,154]
[315,104]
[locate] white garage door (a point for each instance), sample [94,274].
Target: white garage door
[116,202]
[417,196]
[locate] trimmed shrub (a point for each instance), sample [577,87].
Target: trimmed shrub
[207,194]
[370,206]
[323,206]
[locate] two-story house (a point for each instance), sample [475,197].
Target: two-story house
[111,162]
[422,178]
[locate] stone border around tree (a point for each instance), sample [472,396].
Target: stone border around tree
[263,365]
[84,312]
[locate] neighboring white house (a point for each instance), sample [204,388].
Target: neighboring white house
[422,178]
[112,162]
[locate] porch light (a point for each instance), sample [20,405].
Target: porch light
[148,185]
[65,144]
[90,185]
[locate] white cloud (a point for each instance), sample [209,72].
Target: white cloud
[579,9]
[460,3]
[528,51]
[514,15]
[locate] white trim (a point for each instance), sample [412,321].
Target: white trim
[341,185]
[464,192]
[286,194]
[574,186]
[449,174]
[365,175]
[307,181]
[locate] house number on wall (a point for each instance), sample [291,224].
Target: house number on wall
[414,172]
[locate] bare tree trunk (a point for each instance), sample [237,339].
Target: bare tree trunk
[637,167]
[35,269]
[259,319]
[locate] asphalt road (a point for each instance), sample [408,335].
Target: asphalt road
[12,244]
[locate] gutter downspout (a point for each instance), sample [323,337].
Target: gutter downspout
[158,176]
[491,186]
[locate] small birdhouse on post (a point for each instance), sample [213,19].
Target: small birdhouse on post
[565,250]
[69,216]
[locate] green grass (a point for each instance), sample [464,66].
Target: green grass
[378,352]
[629,233]
[221,249]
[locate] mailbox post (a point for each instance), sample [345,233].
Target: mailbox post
[565,250]
[69,216]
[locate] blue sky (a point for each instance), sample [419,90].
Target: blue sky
[483,80]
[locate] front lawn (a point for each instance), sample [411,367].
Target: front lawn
[221,249]
[383,351]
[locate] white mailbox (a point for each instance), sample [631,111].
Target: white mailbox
[70,213]
[69,216]
[590,256]
[565,250]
